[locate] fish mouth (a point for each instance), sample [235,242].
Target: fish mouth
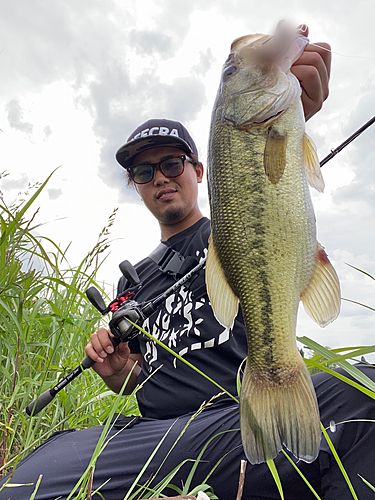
[165,193]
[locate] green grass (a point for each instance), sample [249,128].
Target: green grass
[45,323]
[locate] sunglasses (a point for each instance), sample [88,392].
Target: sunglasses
[170,167]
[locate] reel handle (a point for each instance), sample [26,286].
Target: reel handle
[96,299]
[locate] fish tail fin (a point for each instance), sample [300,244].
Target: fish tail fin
[279,412]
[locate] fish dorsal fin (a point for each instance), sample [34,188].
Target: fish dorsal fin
[223,300]
[275,155]
[322,298]
[312,165]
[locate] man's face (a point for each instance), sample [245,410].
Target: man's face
[170,200]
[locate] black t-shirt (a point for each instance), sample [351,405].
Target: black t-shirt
[186,324]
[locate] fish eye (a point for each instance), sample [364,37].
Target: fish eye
[230,70]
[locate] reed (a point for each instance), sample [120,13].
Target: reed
[45,323]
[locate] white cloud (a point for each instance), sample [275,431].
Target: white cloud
[54,194]
[9,183]
[147,42]
[16,117]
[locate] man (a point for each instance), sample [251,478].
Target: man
[162,161]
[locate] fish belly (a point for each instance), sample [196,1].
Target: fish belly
[264,237]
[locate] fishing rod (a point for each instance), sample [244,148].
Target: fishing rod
[124,309]
[348,141]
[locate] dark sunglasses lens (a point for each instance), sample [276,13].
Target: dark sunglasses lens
[142,173]
[173,167]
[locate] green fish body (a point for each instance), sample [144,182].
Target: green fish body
[263,251]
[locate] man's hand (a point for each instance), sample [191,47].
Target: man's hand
[109,362]
[313,70]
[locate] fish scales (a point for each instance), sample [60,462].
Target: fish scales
[263,250]
[258,236]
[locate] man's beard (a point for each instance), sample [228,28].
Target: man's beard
[173,215]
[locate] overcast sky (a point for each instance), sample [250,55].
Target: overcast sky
[78,77]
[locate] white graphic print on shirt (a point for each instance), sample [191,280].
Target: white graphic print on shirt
[179,317]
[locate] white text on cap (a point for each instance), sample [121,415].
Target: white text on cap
[156,131]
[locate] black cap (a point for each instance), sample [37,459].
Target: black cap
[153,133]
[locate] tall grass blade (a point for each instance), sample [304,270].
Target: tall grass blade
[366,482]
[276,477]
[359,304]
[302,476]
[339,463]
[361,271]
[36,487]
[347,380]
[183,360]
[328,355]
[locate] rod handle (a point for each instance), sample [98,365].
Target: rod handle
[38,404]
[87,363]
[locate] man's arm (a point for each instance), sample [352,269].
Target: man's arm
[113,365]
[313,70]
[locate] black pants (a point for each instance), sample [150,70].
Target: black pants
[63,458]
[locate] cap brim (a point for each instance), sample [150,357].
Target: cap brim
[127,152]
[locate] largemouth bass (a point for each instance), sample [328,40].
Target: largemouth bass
[263,251]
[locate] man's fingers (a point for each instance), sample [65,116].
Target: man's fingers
[325,52]
[104,339]
[100,343]
[92,353]
[123,350]
[315,59]
[312,70]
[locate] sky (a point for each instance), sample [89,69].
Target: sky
[79,77]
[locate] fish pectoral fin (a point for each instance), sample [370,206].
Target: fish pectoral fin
[280,412]
[275,155]
[223,300]
[322,297]
[312,165]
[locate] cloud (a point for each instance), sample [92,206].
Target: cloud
[54,194]
[94,47]
[147,43]
[361,154]
[15,117]
[118,115]
[17,184]
[47,132]
[206,60]
[346,230]
[81,44]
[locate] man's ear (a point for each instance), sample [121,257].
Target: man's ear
[136,188]
[200,171]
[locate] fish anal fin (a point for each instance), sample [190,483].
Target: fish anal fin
[312,165]
[223,300]
[275,155]
[322,297]
[277,413]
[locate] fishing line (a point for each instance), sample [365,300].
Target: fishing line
[342,55]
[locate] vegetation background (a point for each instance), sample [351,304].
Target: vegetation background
[45,323]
